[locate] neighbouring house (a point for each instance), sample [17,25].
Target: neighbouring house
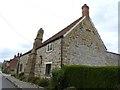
[78,43]
[5,66]
[11,66]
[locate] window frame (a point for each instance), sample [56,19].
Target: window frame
[49,47]
[21,67]
[47,74]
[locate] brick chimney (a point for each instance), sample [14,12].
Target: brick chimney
[39,38]
[85,10]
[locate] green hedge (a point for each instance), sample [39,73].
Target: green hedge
[57,79]
[89,76]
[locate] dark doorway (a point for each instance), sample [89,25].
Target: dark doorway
[48,67]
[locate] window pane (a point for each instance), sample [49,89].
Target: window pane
[50,46]
[48,67]
[20,67]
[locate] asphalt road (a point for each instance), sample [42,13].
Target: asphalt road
[5,84]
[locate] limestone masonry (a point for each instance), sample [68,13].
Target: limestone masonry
[79,43]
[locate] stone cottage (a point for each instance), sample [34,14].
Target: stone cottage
[78,43]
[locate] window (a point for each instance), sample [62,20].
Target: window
[12,70]
[40,60]
[20,67]
[49,47]
[48,68]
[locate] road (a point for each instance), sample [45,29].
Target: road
[5,84]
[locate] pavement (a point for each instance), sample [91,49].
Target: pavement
[21,84]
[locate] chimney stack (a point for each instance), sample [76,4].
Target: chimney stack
[39,38]
[85,10]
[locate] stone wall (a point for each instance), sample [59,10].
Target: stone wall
[113,59]
[23,61]
[84,46]
[53,56]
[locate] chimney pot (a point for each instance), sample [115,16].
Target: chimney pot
[14,56]
[18,55]
[85,10]
[85,5]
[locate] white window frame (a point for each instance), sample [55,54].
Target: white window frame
[49,47]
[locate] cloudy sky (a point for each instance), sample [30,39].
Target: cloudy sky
[21,19]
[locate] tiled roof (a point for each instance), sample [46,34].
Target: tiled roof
[61,33]
[58,35]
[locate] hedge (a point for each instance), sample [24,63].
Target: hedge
[89,76]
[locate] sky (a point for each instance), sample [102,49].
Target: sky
[21,19]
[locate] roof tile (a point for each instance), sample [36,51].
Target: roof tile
[58,35]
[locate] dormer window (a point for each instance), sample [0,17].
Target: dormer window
[49,47]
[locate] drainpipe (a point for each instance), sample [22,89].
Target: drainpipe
[61,51]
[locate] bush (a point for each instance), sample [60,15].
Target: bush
[91,76]
[15,75]
[35,80]
[57,79]
[43,82]
[6,71]
[85,77]
[21,76]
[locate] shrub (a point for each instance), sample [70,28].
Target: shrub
[21,76]
[40,81]
[6,71]
[57,79]
[91,76]
[15,75]
[29,80]
[43,82]
[54,80]
[35,80]
[85,77]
